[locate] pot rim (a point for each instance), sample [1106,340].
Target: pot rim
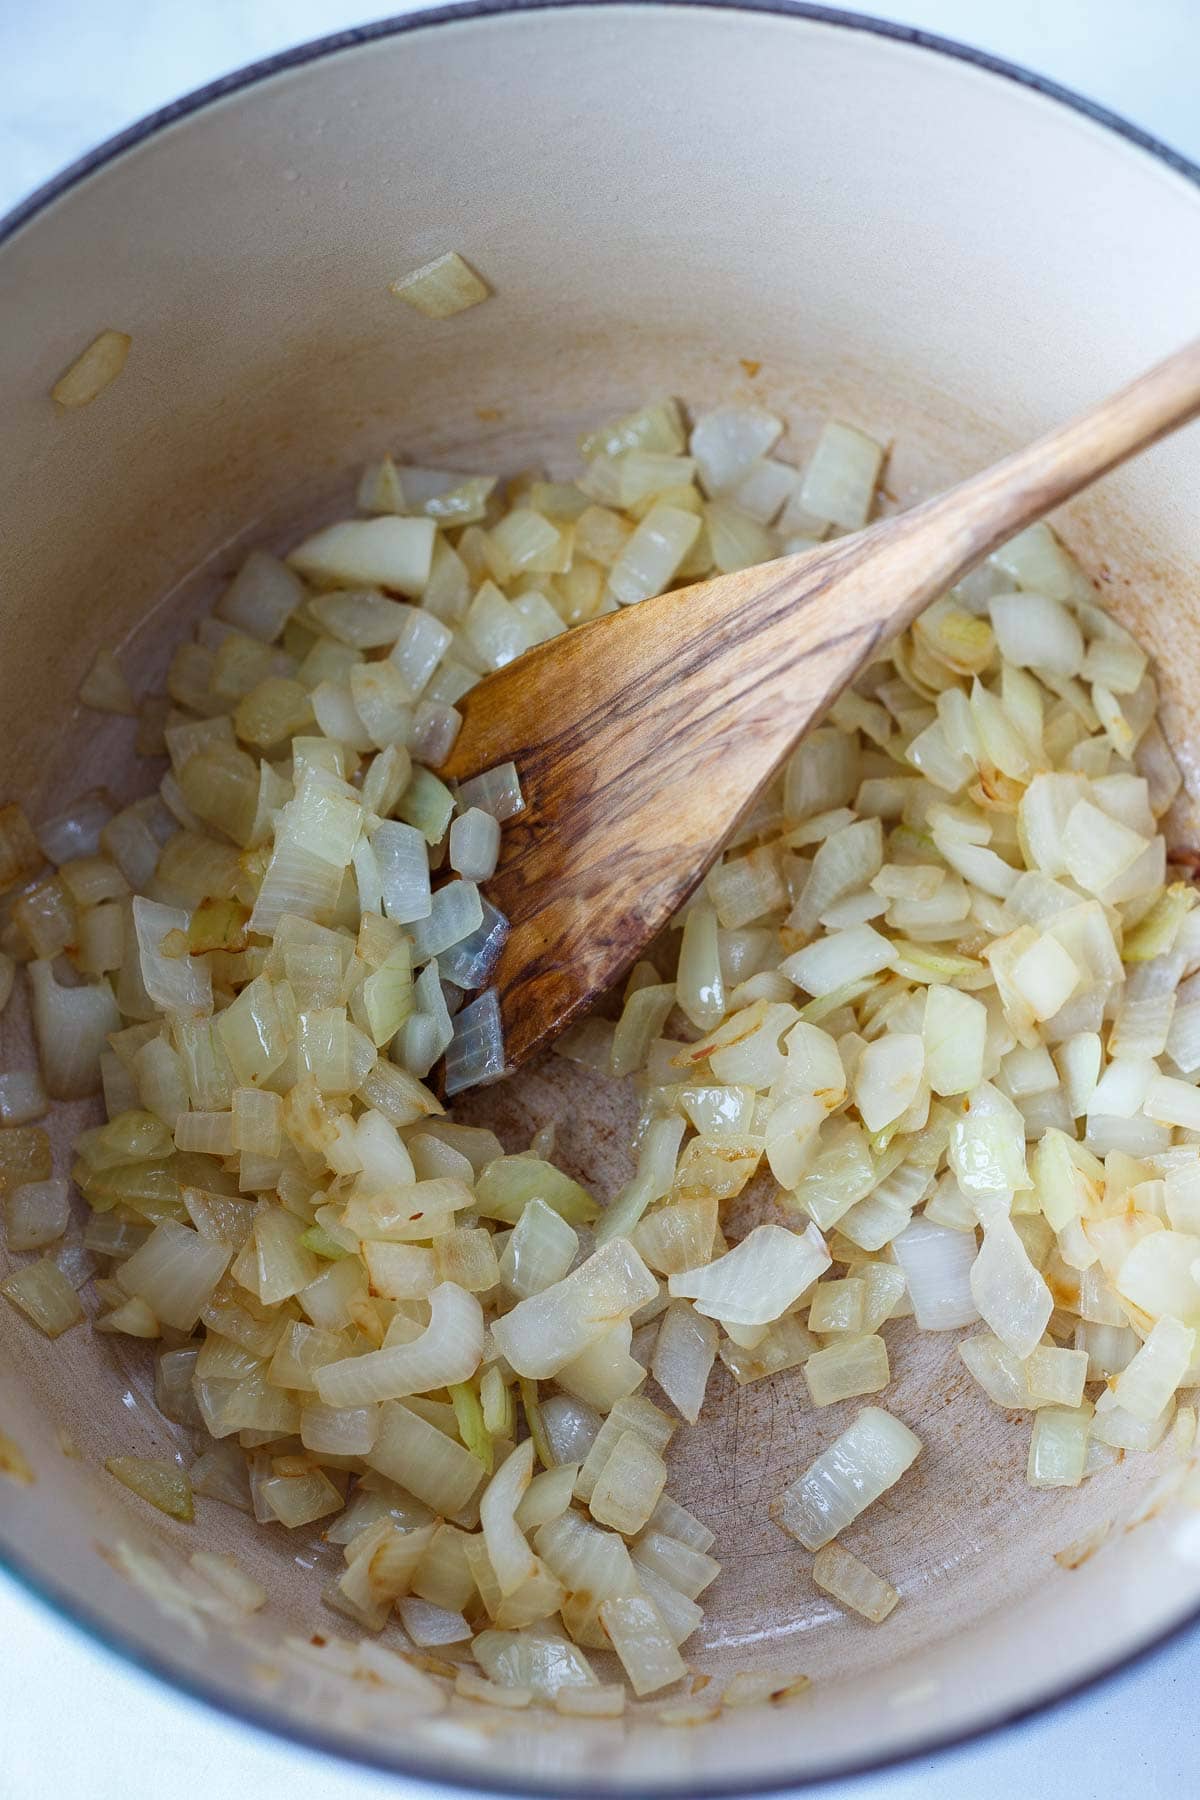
[45,1588]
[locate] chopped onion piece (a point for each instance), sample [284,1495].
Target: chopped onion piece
[424,1460]
[759,1280]
[475,843]
[42,1292]
[684,1352]
[544,1332]
[443,287]
[475,1054]
[727,442]
[839,482]
[839,1573]
[649,560]
[104,687]
[93,371]
[858,1366]
[937,1266]
[36,1213]
[1148,1382]
[176,1272]
[639,1637]
[403,866]
[888,1077]
[22,1097]
[869,1457]
[1011,1295]
[385,552]
[447,1351]
[1058,1447]
[839,959]
[161,1483]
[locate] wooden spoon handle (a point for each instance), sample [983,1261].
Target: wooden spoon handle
[936,543]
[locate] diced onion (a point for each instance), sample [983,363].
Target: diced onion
[447,1351]
[937,1266]
[847,1579]
[757,1281]
[938,983]
[36,1214]
[684,1352]
[869,1457]
[443,287]
[72,1027]
[93,371]
[858,1366]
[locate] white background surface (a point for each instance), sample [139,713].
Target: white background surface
[74,1719]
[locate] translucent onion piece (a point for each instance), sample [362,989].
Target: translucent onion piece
[1011,1295]
[756,1282]
[443,287]
[544,1332]
[542,1662]
[430,1626]
[475,1055]
[637,1634]
[1058,1446]
[869,1457]
[937,1266]
[161,1483]
[547,1497]
[385,552]
[1158,1275]
[469,962]
[629,1485]
[847,1579]
[839,482]
[843,1370]
[42,1292]
[1150,1379]
[75,832]
[954,1032]
[496,791]
[1034,631]
[652,555]
[176,1272]
[539,1251]
[633,1414]
[513,1563]
[72,1027]
[403,864]
[456,911]
[839,959]
[475,843]
[447,1351]
[684,1352]
[93,371]
[261,597]
[571,1427]
[36,1213]
[422,1459]
[22,1097]
[728,441]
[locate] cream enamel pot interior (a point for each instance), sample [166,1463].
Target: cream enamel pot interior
[892,231]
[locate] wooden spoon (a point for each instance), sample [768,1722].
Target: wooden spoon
[642,738]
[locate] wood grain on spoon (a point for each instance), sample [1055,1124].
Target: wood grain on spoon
[641,738]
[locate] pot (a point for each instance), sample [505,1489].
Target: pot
[768,202]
